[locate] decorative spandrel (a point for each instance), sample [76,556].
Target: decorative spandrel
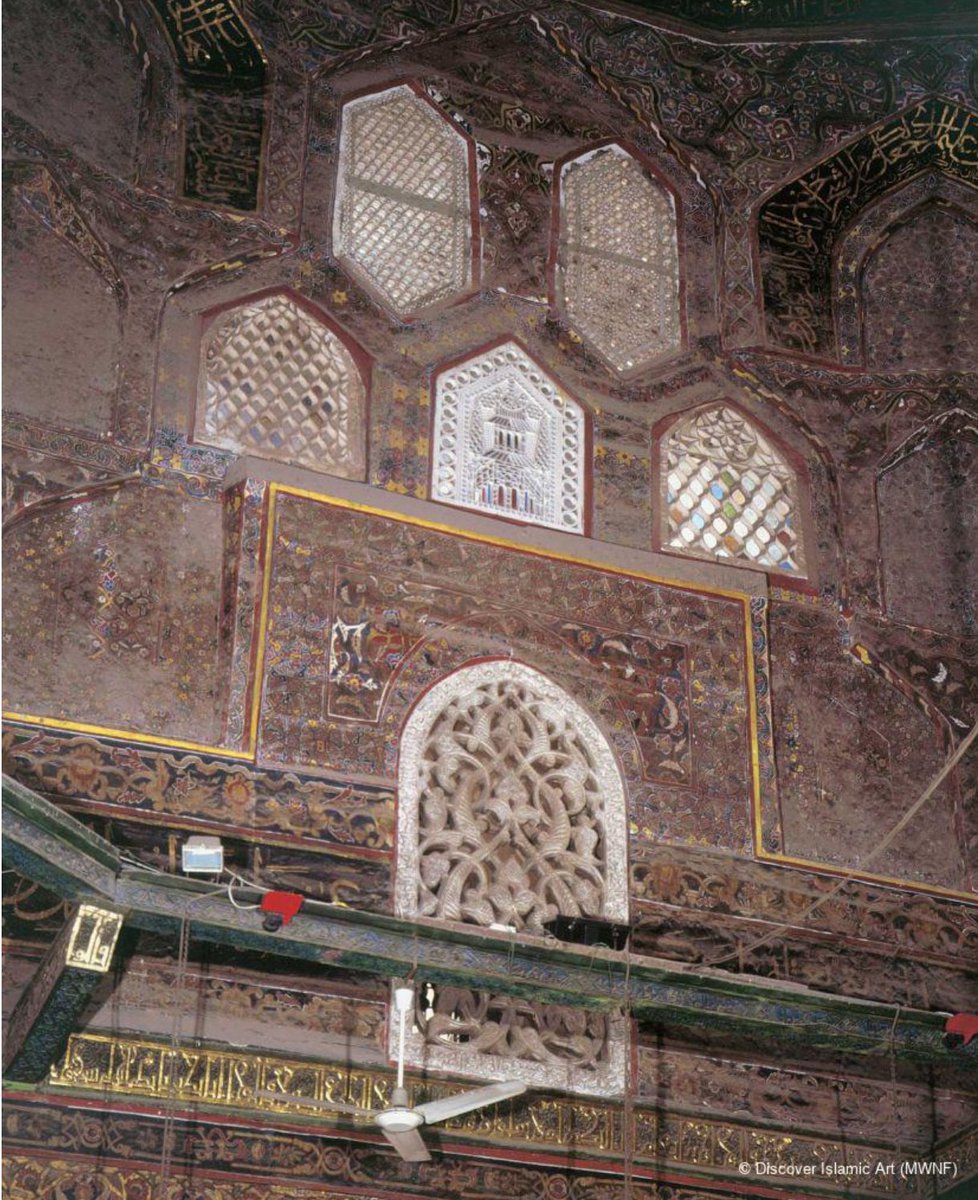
[728,493]
[618,259]
[276,382]
[512,808]
[403,213]
[509,441]
[799,226]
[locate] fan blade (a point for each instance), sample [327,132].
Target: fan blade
[454,1106]
[310,1102]
[408,1145]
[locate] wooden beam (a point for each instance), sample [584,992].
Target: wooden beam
[46,1012]
[690,999]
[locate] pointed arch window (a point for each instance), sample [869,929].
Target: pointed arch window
[617,274]
[509,440]
[511,811]
[728,492]
[403,219]
[277,382]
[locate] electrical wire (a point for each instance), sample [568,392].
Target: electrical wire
[130,860]
[249,883]
[854,872]
[234,903]
[740,950]
[893,1083]
[206,896]
[166,1157]
[628,1108]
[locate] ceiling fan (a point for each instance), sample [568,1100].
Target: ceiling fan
[398,1122]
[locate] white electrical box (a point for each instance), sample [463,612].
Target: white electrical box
[202,856]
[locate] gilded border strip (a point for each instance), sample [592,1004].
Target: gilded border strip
[250,753]
[126,735]
[143,1069]
[507,543]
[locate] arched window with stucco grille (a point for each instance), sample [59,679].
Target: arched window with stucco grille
[727,491]
[617,277]
[511,811]
[404,222]
[278,382]
[508,440]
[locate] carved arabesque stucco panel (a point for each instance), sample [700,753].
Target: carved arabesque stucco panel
[511,806]
[511,812]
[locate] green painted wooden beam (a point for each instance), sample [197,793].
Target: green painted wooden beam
[45,1037]
[46,1012]
[68,858]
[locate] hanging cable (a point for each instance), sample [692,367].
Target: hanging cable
[893,1084]
[255,887]
[628,1114]
[166,1158]
[854,872]
[179,983]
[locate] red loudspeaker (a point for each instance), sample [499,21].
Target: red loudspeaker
[281,908]
[963,1026]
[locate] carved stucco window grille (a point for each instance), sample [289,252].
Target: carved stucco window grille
[728,493]
[508,440]
[403,219]
[511,812]
[276,382]
[617,271]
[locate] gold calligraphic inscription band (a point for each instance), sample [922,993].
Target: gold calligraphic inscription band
[224,1078]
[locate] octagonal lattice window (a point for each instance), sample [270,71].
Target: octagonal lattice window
[617,259]
[276,382]
[403,220]
[729,493]
[509,441]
